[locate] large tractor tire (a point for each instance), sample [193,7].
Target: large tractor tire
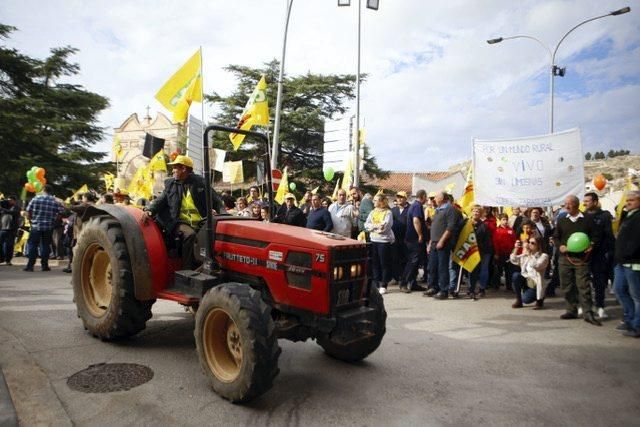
[103,282]
[236,341]
[358,350]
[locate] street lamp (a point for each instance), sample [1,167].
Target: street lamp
[555,70]
[371,4]
[276,125]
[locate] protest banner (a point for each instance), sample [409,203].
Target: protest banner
[531,171]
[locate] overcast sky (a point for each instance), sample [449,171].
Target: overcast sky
[434,83]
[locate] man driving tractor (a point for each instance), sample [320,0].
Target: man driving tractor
[181,207]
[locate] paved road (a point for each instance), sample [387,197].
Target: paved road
[441,363]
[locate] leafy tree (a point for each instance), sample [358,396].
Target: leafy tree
[612,153]
[587,156]
[307,102]
[47,122]
[599,155]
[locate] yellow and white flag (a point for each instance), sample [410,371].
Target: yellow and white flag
[283,187]
[184,87]
[466,252]
[157,162]
[141,184]
[118,151]
[233,172]
[466,201]
[346,181]
[256,112]
[334,197]
[623,201]
[79,192]
[108,179]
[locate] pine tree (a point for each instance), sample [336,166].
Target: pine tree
[46,122]
[308,101]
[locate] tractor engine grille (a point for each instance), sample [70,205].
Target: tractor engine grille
[348,277]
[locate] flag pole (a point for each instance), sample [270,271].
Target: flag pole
[202,112]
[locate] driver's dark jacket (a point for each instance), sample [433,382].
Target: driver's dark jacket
[166,208]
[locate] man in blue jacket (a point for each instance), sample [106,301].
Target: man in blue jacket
[319,217]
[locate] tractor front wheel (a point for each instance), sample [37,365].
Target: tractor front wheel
[236,341]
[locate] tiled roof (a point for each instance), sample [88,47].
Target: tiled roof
[402,181]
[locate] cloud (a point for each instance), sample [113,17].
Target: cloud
[434,83]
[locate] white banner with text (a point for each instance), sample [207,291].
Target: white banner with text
[531,171]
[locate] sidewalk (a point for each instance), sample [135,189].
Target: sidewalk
[8,416]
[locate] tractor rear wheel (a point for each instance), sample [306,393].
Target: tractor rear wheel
[103,282]
[358,350]
[236,341]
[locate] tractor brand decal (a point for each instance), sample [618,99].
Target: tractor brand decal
[240,258]
[272,265]
[298,270]
[319,257]
[276,255]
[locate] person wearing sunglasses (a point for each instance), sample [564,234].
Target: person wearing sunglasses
[529,283]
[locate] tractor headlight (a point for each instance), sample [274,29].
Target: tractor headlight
[338,273]
[356,270]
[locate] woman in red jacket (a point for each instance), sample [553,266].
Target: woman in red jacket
[504,238]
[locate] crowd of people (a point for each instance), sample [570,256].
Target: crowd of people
[528,251]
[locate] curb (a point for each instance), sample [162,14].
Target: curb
[8,415]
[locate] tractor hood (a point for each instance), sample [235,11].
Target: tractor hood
[268,232]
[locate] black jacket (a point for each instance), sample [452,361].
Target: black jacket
[399,226]
[166,208]
[293,216]
[628,241]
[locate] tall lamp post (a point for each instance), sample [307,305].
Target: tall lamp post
[555,70]
[276,125]
[371,4]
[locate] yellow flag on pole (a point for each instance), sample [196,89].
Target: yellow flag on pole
[184,87]
[80,191]
[141,184]
[466,253]
[467,199]
[346,181]
[117,149]
[108,180]
[157,162]
[334,197]
[283,188]
[623,201]
[256,112]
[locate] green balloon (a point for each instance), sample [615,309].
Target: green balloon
[578,242]
[329,174]
[38,186]
[31,175]
[292,186]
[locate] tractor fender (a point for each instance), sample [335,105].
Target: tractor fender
[145,245]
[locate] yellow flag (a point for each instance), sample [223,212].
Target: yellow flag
[117,149]
[184,87]
[315,190]
[256,112]
[79,192]
[233,172]
[346,181]
[508,210]
[141,184]
[108,181]
[466,200]
[466,253]
[283,188]
[157,162]
[334,197]
[623,201]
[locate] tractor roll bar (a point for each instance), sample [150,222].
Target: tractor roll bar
[207,177]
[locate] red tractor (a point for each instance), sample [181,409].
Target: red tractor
[258,282]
